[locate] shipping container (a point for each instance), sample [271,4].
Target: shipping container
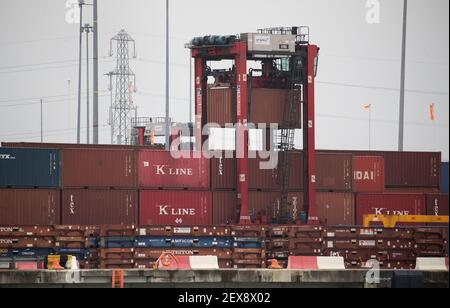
[29,207]
[86,168]
[268,106]
[334,172]
[406,169]
[175,208]
[267,204]
[336,209]
[389,204]
[222,110]
[368,174]
[225,210]
[223,173]
[99,207]
[444,178]
[158,169]
[29,168]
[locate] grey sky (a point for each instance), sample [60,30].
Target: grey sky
[353,52]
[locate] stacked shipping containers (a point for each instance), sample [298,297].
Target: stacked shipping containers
[29,186]
[99,186]
[124,185]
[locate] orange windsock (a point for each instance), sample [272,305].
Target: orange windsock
[432,112]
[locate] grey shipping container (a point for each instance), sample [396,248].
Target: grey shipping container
[29,168]
[29,207]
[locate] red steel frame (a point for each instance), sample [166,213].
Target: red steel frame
[238,52]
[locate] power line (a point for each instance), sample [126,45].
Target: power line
[40,64]
[46,68]
[381,120]
[45,102]
[40,97]
[379,88]
[359,58]
[50,131]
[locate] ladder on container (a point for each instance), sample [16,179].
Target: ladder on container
[118,279]
[287,133]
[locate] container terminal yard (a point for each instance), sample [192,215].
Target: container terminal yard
[171,205]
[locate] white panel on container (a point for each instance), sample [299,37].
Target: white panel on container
[222,139]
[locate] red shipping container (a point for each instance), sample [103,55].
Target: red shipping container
[29,207]
[158,169]
[336,208]
[222,106]
[437,205]
[368,174]
[389,204]
[175,208]
[99,207]
[334,172]
[98,168]
[223,173]
[225,208]
[406,169]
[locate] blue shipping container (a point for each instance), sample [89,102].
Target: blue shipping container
[444,178]
[29,168]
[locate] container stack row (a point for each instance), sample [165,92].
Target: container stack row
[95,186]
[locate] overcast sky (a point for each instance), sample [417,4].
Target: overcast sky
[359,64]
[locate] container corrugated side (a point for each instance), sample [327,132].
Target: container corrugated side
[220,107]
[336,208]
[88,168]
[159,169]
[334,172]
[175,208]
[29,168]
[224,208]
[29,207]
[99,207]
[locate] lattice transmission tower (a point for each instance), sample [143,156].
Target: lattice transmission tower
[124,79]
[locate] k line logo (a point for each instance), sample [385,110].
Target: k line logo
[165,170]
[166,210]
[7,157]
